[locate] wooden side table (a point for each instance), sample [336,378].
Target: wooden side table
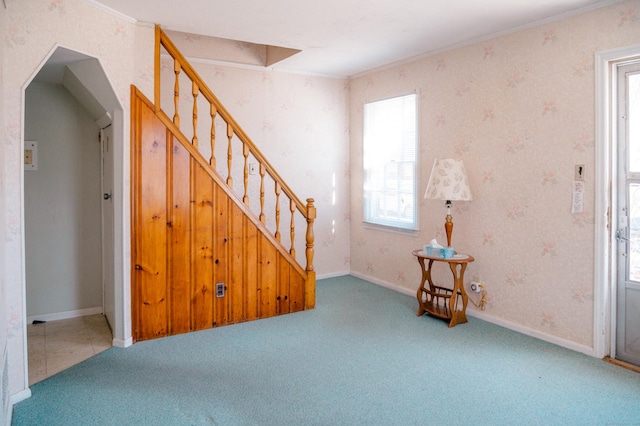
[439,301]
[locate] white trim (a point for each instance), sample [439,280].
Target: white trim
[20,396]
[120,343]
[65,315]
[332,275]
[605,262]
[111,11]
[122,257]
[568,344]
[254,67]
[16,398]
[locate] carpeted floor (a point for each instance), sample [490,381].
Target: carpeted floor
[361,357]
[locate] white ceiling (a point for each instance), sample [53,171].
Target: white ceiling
[347,37]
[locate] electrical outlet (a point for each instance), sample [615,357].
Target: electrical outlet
[476,287]
[219,289]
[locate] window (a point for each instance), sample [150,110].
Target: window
[389,156]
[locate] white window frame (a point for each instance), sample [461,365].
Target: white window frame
[390,162]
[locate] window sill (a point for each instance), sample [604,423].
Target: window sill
[392,229]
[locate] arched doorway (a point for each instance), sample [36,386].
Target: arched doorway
[75,233]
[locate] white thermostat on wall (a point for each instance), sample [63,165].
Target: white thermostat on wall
[30,155]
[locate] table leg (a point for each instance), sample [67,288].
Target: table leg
[419,294]
[458,317]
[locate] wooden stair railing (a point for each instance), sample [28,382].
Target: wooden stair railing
[193,234]
[216,109]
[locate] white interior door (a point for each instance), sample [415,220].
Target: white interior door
[628,213]
[108,287]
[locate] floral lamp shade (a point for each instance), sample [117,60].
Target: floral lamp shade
[448,181]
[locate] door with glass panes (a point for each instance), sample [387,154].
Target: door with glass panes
[628,213]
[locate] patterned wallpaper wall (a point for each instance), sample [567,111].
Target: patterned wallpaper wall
[301,125]
[519,110]
[32,29]
[299,122]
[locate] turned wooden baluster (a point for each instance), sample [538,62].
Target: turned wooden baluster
[245,153]
[195,91]
[311,216]
[277,234]
[176,93]
[213,112]
[292,207]
[229,154]
[262,172]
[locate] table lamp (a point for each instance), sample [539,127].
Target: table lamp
[448,181]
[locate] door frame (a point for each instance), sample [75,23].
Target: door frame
[121,206]
[605,292]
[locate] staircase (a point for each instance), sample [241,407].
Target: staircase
[208,245]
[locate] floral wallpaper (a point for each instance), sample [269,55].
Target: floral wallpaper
[300,124]
[31,30]
[292,118]
[519,111]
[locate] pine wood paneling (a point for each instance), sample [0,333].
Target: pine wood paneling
[250,270]
[221,262]
[203,288]
[268,275]
[189,232]
[296,291]
[282,285]
[151,266]
[180,232]
[236,269]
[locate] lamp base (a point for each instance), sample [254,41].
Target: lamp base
[448,228]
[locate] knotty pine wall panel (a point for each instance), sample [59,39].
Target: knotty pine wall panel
[189,233]
[150,270]
[221,262]
[180,234]
[202,249]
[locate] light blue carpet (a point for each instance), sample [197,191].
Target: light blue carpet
[362,357]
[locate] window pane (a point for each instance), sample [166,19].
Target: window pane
[390,162]
[634,123]
[634,232]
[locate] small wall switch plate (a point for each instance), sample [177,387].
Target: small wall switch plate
[253,168]
[579,175]
[219,290]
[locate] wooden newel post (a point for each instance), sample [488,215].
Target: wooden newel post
[311,216]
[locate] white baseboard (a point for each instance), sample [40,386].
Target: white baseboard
[332,275]
[16,398]
[65,315]
[122,343]
[568,344]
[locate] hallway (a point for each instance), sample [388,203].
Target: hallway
[57,345]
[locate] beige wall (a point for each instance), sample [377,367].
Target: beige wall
[519,110]
[264,102]
[300,123]
[62,205]
[33,29]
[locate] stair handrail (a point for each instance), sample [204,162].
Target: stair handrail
[308,211]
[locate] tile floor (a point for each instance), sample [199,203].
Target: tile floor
[57,345]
